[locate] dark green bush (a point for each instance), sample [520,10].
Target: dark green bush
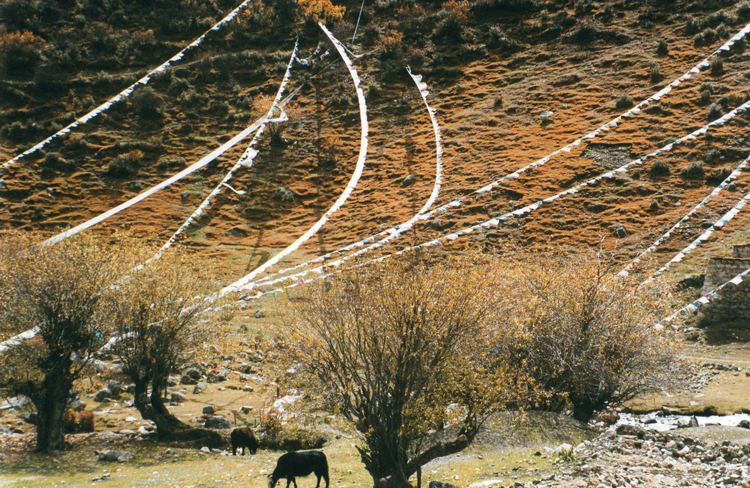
[693,171]
[659,168]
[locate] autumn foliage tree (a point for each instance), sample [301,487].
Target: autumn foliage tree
[320,11]
[63,292]
[586,333]
[402,350]
[158,319]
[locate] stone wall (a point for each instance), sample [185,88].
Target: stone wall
[733,302]
[741,251]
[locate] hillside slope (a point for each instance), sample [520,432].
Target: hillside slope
[492,68]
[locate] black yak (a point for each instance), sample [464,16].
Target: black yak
[301,463]
[243,437]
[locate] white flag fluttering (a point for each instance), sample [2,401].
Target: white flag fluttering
[401,228]
[494,222]
[347,191]
[612,124]
[246,160]
[661,240]
[129,90]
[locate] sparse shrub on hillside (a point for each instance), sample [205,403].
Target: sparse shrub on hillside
[712,156]
[146,103]
[125,165]
[54,161]
[87,421]
[654,73]
[18,14]
[583,7]
[453,20]
[714,112]
[659,168]
[743,9]
[692,25]
[624,101]
[662,49]
[718,175]
[391,45]
[178,86]
[69,421]
[20,52]
[693,171]
[706,37]
[717,66]
[584,34]
[170,162]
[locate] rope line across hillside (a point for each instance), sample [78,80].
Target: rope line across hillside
[129,90]
[403,227]
[661,240]
[612,124]
[246,160]
[360,166]
[494,222]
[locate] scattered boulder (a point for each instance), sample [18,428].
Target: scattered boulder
[441,484]
[188,380]
[194,373]
[619,231]
[102,395]
[408,180]
[630,429]
[115,387]
[199,388]
[744,424]
[113,455]
[260,314]
[217,422]
[247,409]
[216,377]
[285,194]
[78,405]
[177,397]
[563,450]
[209,410]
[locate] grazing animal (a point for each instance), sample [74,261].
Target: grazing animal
[243,437]
[300,463]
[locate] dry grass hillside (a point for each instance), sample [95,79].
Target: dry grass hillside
[492,67]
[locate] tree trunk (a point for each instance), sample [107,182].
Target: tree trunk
[50,409]
[169,427]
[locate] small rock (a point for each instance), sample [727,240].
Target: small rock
[177,397]
[246,409]
[103,477]
[188,380]
[115,387]
[199,388]
[744,424]
[408,180]
[113,455]
[217,422]
[103,394]
[78,406]
[260,314]
[619,231]
[209,410]
[205,449]
[248,388]
[563,450]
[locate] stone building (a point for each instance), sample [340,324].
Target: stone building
[733,302]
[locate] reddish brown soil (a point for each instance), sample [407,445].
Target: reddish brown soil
[482,142]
